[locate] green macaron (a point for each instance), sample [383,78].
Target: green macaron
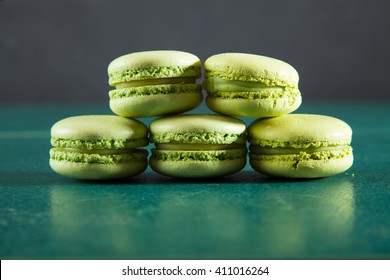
[198,146]
[98,147]
[154,83]
[250,85]
[300,146]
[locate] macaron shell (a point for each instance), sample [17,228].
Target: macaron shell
[197,164]
[299,130]
[153,65]
[277,166]
[155,105]
[250,67]
[80,165]
[256,108]
[197,169]
[147,59]
[99,127]
[98,171]
[198,123]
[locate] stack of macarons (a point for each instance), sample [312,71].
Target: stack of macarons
[164,84]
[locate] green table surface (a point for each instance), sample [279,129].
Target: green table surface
[243,216]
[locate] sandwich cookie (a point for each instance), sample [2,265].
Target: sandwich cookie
[98,147]
[154,83]
[250,85]
[198,146]
[300,146]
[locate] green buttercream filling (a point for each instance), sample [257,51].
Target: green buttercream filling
[152,73]
[154,90]
[295,144]
[154,82]
[98,144]
[197,138]
[291,95]
[305,156]
[200,147]
[225,89]
[238,76]
[79,157]
[198,155]
[215,84]
[288,150]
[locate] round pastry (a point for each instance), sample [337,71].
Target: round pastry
[250,85]
[300,146]
[198,146]
[98,147]
[154,83]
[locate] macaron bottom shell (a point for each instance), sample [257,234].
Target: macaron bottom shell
[284,166]
[155,105]
[257,107]
[87,167]
[186,164]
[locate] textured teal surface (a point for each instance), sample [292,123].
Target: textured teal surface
[243,216]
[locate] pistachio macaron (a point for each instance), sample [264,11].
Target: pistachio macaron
[154,83]
[300,146]
[98,147]
[249,85]
[198,146]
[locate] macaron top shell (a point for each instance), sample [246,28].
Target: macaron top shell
[251,68]
[152,65]
[300,131]
[99,132]
[198,129]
